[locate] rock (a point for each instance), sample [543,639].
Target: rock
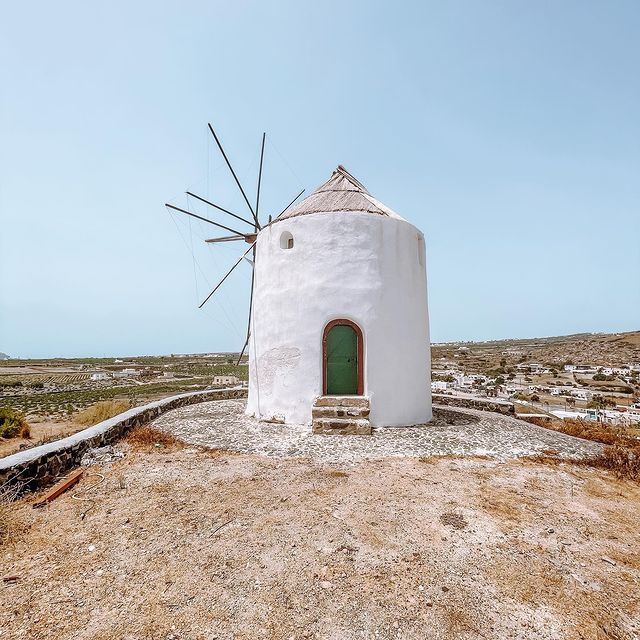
[325,584]
[445,589]
[608,560]
[92,547]
[101,455]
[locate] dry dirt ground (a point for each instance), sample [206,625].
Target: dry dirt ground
[194,544]
[41,430]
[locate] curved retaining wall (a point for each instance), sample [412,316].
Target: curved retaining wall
[499,406]
[40,466]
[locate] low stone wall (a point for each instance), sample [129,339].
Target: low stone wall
[499,406]
[39,466]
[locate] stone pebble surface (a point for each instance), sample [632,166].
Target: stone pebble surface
[223,425]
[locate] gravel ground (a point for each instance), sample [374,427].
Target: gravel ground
[223,425]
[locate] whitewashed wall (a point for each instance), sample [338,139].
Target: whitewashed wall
[364,267]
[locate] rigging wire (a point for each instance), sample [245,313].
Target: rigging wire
[295,175]
[193,257]
[230,323]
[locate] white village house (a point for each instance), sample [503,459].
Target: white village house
[339,331]
[218,380]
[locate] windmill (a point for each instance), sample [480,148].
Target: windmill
[249,237]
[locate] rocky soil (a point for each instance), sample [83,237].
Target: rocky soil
[193,544]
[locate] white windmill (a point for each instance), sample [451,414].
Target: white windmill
[338,330]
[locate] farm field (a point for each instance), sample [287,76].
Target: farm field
[52,393]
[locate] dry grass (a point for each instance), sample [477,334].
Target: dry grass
[101,411]
[11,526]
[523,409]
[334,473]
[623,461]
[621,456]
[590,430]
[145,438]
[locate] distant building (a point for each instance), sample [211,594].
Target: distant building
[533,367]
[225,380]
[585,368]
[126,373]
[100,375]
[581,394]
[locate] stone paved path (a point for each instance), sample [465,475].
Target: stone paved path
[222,424]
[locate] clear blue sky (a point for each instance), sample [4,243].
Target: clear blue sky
[509,132]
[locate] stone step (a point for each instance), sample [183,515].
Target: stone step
[340,412]
[342,426]
[342,401]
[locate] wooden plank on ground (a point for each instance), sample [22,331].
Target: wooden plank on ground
[59,488]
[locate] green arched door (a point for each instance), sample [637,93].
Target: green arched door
[341,353]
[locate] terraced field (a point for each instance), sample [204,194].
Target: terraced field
[66,403]
[31,379]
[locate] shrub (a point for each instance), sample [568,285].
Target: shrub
[12,423]
[601,377]
[621,455]
[146,437]
[623,461]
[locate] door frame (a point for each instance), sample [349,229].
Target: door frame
[360,353]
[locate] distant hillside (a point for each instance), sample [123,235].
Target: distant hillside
[4,356]
[600,349]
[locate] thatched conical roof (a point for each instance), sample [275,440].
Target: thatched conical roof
[341,192]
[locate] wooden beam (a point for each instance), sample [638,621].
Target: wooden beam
[289,204]
[225,277]
[215,206]
[235,177]
[226,239]
[59,488]
[193,215]
[264,135]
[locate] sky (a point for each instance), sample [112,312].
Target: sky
[507,131]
